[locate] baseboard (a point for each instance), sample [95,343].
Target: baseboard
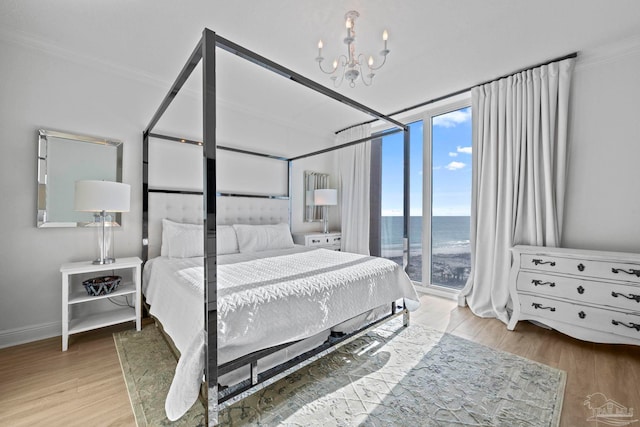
[11,337]
[452,295]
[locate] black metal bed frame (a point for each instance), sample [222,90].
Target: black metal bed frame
[205,52]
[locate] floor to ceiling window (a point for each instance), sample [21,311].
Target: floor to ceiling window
[439,191]
[391,208]
[450,207]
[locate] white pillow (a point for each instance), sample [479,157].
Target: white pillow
[226,240]
[182,240]
[255,238]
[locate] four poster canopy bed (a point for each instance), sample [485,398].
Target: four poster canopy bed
[239,301]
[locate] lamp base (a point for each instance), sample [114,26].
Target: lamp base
[104,261]
[325,219]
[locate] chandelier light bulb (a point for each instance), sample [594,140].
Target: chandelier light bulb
[353,65]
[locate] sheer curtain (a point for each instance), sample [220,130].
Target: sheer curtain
[519,161]
[354,164]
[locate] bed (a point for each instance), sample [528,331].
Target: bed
[270,293]
[204,55]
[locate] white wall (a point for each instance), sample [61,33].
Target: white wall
[52,89]
[58,93]
[602,209]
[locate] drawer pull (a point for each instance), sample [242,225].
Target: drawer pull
[580,267]
[541,283]
[315,241]
[582,315]
[580,289]
[631,325]
[540,262]
[621,270]
[539,306]
[630,296]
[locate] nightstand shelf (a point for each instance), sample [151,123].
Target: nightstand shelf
[100,320]
[76,319]
[320,240]
[80,295]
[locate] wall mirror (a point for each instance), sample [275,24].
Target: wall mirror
[63,159]
[313,181]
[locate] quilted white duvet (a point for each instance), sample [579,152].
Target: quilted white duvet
[269,301]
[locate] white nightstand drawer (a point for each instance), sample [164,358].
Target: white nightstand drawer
[319,240]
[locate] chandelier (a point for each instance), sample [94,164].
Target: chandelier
[352,65]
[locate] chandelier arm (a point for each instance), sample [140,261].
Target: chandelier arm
[379,66]
[362,77]
[320,60]
[336,82]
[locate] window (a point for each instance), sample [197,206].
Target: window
[450,201]
[439,197]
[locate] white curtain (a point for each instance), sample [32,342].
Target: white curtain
[519,160]
[354,165]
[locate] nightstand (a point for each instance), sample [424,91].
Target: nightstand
[321,240]
[74,294]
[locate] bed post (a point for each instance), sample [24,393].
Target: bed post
[210,190]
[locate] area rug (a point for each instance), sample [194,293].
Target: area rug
[393,376]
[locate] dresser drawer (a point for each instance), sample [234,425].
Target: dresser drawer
[617,322]
[623,271]
[580,290]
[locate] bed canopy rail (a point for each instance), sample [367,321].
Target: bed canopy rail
[205,53]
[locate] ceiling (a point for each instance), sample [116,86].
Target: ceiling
[437,46]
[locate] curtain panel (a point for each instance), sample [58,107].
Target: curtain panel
[354,164]
[519,173]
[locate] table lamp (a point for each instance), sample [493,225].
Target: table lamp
[102,197]
[325,197]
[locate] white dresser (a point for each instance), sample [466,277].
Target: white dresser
[590,295]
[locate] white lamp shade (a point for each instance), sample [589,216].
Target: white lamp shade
[98,196]
[325,197]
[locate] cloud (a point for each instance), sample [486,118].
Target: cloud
[453,118]
[455,166]
[466,150]
[453,154]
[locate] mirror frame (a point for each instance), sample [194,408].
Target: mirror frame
[317,180]
[42,173]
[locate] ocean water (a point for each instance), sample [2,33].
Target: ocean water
[450,235]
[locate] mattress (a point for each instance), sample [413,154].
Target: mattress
[266,299]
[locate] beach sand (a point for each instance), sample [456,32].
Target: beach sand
[449,269]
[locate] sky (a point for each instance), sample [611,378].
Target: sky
[451,170]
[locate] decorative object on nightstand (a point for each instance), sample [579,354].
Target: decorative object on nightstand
[325,197]
[102,197]
[329,240]
[74,293]
[101,285]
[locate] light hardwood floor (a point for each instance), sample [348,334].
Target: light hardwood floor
[42,386]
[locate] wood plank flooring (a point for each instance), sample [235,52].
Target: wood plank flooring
[42,386]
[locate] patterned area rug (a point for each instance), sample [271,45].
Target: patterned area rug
[393,376]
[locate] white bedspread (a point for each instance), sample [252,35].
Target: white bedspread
[269,301]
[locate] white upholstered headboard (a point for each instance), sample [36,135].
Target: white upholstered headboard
[251,210]
[188,208]
[177,207]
